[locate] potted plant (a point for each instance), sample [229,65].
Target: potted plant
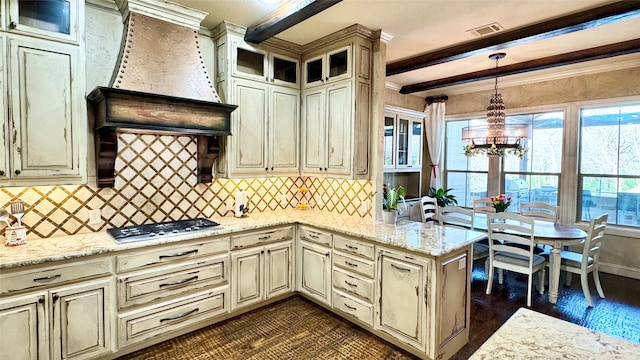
[390,199]
[443,197]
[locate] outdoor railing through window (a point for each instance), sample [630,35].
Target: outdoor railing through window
[609,168]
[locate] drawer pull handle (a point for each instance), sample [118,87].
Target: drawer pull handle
[313,236]
[179,282]
[350,307]
[47,278]
[351,247]
[351,284]
[194,311]
[350,264]
[194,251]
[264,238]
[399,268]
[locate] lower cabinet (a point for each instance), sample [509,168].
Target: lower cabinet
[314,271]
[71,322]
[261,273]
[402,295]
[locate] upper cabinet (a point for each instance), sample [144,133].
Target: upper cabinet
[330,66]
[402,142]
[264,82]
[336,105]
[43,112]
[59,19]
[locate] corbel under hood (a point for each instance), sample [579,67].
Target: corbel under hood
[160,86]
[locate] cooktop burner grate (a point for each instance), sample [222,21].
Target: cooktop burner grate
[152,231]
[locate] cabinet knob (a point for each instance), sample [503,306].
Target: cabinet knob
[41,300]
[272,79]
[272,168]
[1,172]
[55,297]
[326,79]
[320,169]
[266,78]
[325,169]
[17,172]
[266,169]
[13,25]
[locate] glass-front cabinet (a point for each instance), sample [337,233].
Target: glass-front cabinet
[328,67]
[263,66]
[47,18]
[402,140]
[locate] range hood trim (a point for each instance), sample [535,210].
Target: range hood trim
[118,110]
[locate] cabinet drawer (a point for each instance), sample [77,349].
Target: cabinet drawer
[350,306]
[353,246]
[354,285]
[54,275]
[318,237]
[166,254]
[262,237]
[143,287]
[138,326]
[359,266]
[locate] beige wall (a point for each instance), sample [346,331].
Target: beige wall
[393,97]
[621,253]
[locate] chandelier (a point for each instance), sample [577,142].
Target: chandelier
[497,138]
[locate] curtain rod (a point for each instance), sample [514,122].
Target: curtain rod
[431,99]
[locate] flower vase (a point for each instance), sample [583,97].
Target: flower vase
[389,217]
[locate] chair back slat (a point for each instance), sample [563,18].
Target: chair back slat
[484,205]
[540,210]
[513,236]
[456,216]
[429,208]
[595,236]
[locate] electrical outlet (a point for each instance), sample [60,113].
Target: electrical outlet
[462,264]
[230,205]
[365,205]
[94,217]
[283,199]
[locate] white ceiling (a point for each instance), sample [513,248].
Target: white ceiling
[420,26]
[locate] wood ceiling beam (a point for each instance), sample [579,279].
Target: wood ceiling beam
[603,15]
[286,16]
[600,52]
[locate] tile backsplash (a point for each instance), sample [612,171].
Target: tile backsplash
[156,181]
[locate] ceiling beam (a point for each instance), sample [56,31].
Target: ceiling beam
[603,15]
[286,16]
[600,52]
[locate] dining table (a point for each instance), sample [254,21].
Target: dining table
[547,233]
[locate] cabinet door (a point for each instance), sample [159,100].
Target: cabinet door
[284,123]
[402,310]
[43,99]
[389,141]
[338,64]
[23,328]
[278,269]
[249,62]
[249,131]
[314,127]
[284,70]
[314,271]
[56,19]
[339,128]
[81,320]
[314,71]
[246,284]
[414,160]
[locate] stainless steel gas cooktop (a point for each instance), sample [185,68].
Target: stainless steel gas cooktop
[160,230]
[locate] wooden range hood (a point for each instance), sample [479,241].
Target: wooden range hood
[161,86]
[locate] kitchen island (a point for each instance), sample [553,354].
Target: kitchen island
[407,283]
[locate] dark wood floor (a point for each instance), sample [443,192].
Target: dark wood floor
[318,334]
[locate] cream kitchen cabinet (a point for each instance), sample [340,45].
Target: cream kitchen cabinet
[44,129]
[402,293]
[263,80]
[263,268]
[403,136]
[314,264]
[62,316]
[61,20]
[264,129]
[336,106]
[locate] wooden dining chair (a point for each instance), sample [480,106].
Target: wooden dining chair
[484,205]
[511,245]
[540,210]
[429,208]
[587,261]
[459,217]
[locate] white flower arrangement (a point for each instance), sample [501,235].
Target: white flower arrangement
[472,150]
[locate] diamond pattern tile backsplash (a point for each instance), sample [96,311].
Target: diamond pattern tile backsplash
[156,181]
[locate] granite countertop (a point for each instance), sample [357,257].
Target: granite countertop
[532,335]
[428,239]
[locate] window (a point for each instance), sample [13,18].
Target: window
[609,164]
[467,176]
[535,176]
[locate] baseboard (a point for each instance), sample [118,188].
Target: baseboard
[619,270]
